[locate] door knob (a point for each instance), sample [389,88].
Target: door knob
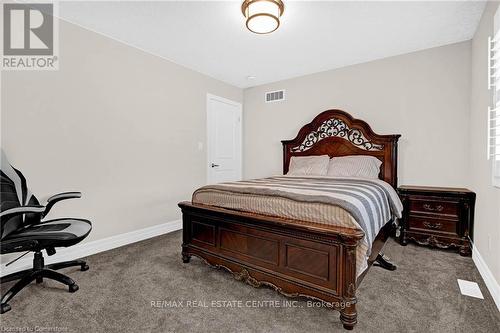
[215,165]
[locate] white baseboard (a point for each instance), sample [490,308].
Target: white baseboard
[489,279]
[86,249]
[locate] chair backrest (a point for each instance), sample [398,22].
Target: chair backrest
[14,193]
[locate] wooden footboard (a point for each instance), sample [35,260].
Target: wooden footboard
[295,258]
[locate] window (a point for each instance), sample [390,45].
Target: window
[494,112]
[494,141]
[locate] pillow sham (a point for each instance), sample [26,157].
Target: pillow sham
[361,166]
[308,165]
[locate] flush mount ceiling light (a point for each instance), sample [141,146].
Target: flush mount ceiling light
[263,16]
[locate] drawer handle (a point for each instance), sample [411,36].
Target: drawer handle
[438,208]
[430,225]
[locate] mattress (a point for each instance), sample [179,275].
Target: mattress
[364,204]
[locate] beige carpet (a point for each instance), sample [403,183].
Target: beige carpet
[115,295]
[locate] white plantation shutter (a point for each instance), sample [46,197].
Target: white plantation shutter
[494,111]
[494,132]
[494,141]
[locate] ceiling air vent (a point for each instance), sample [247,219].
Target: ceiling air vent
[275,96]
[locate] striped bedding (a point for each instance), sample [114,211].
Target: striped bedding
[366,204]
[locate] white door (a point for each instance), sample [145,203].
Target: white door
[224,139]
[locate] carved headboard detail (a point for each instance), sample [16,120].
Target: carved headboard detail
[336,133]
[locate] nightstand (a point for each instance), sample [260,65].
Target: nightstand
[438,217]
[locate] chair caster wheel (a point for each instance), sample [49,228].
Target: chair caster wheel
[5,308]
[73,288]
[84,268]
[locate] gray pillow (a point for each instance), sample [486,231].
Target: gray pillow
[361,166]
[308,165]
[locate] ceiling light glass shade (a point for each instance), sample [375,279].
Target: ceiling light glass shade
[263,16]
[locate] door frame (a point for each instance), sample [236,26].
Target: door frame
[240,111]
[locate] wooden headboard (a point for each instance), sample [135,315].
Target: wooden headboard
[336,133]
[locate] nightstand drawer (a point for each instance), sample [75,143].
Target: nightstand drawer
[432,224]
[434,207]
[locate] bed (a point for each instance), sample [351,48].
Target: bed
[287,233]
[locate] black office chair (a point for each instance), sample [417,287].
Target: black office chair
[22,229]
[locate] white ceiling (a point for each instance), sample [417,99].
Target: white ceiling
[211,38]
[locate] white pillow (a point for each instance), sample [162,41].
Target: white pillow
[308,165]
[354,166]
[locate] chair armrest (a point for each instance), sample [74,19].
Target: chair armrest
[58,197]
[9,213]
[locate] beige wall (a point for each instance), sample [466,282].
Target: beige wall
[118,124]
[423,95]
[487,226]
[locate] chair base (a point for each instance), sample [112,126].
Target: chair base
[37,273]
